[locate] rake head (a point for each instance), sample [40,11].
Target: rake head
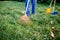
[48,10]
[54,13]
[25,20]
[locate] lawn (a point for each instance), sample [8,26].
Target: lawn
[11,29]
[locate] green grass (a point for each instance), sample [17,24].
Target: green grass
[11,29]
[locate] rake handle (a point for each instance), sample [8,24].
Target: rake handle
[54,5]
[27,5]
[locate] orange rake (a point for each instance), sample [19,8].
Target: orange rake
[25,20]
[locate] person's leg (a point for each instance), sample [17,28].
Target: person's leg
[28,8]
[34,6]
